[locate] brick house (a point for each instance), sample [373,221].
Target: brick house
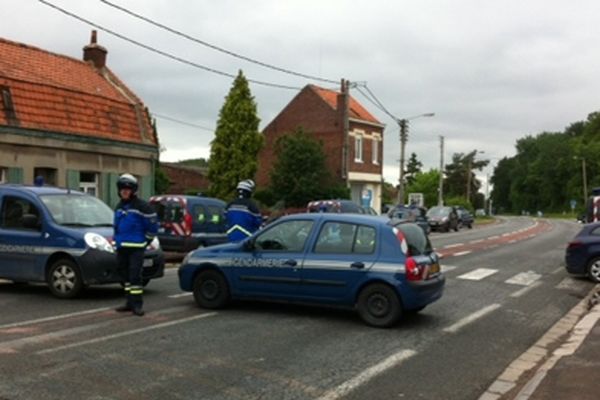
[185,179]
[321,113]
[71,121]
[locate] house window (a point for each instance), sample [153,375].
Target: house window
[47,176]
[88,183]
[3,175]
[358,148]
[375,146]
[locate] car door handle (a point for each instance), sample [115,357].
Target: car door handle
[291,263]
[357,265]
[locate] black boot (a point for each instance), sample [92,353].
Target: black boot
[123,308]
[138,311]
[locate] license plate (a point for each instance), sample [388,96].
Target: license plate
[148,262]
[434,269]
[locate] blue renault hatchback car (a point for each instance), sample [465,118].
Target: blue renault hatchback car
[342,260]
[583,253]
[61,237]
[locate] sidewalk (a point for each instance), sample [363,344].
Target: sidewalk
[563,364]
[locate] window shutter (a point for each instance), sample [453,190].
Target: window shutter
[109,188]
[15,175]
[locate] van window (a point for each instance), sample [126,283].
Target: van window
[13,211]
[216,215]
[168,211]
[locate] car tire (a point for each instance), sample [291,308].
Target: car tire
[64,279]
[593,269]
[211,290]
[378,305]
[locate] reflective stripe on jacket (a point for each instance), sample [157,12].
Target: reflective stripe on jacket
[243,219]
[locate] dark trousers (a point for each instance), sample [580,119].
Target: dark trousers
[131,262]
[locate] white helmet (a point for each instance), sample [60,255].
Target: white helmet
[247,185]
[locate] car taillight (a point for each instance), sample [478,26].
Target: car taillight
[574,244]
[414,271]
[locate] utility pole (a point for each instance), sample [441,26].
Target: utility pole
[469,179]
[346,128]
[403,123]
[441,181]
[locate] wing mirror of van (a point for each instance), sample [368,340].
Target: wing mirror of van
[31,221]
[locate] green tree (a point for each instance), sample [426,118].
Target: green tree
[195,162]
[300,173]
[413,167]
[457,175]
[426,183]
[161,180]
[234,150]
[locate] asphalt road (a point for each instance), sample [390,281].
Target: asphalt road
[506,286]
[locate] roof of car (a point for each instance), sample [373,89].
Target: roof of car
[351,218]
[187,197]
[38,189]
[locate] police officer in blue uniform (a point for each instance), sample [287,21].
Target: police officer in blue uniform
[135,227]
[243,216]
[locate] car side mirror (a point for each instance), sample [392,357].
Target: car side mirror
[248,245]
[31,221]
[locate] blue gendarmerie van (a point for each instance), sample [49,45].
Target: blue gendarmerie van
[62,237]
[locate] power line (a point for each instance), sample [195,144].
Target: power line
[161,52]
[182,122]
[215,47]
[376,103]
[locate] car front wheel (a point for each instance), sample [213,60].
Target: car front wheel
[211,290]
[64,279]
[593,270]
[379,306]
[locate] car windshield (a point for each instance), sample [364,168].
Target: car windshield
[78,210]
[418,243]
[438,212]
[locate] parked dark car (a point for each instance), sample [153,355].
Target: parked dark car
[62,237]
[335,206]
[465,217]
[417,215]
[189,222]
[443,218]
[582,256]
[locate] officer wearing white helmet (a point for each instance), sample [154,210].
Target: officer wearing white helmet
[242,214]
[135,226]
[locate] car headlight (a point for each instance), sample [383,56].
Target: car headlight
[154,244]
[98,242]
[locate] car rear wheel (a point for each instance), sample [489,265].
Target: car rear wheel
[211,290]
[593,269]
[379,306]
[64,279]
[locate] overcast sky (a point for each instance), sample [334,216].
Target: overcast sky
[492,72]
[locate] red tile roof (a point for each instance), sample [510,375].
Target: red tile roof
[357,111]
[56,93]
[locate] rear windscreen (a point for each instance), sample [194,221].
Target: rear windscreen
[168,211]
[418,243]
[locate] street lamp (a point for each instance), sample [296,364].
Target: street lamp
[403,124]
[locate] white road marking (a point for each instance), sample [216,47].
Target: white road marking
[477,241]
[171,271]
[524,278]
[507,234]
[470,318]
[557,270]
[570,284]
[478,274]
[453,245]
[448,268]
[176,296]
[54,318]
[368,374]
[125,333]
[526,289]
[494,237]
[462,253]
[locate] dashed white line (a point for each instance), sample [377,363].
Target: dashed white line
[477,241]
[176,296]
[524,290]
[494,237]
[453,245]
[461,253]
[368,374]
[125,333]
[478,274]
[470,318]
[448,268]
[54,318]
[524,278]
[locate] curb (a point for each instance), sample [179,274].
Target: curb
[546,352]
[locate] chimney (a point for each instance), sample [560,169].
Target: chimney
[94,52]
